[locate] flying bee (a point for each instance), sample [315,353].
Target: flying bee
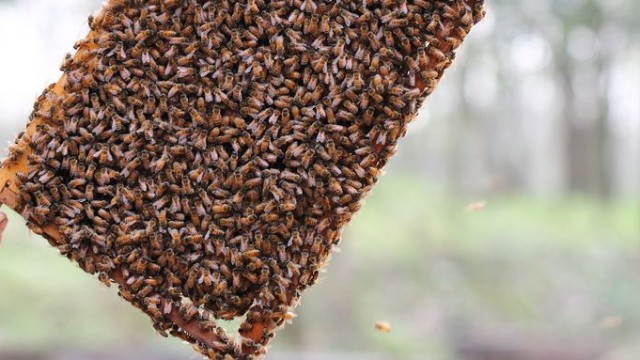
[382,326]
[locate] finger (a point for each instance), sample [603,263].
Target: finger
[3,223]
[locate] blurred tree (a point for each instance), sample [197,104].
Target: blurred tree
[533,104]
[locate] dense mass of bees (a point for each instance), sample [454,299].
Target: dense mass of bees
[210,152]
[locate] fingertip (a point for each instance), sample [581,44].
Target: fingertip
[4,220]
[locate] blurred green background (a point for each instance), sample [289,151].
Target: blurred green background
[539,119]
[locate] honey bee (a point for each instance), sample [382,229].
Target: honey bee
[194,240]
[153,310]
[172,278]
[279,45]
[453,41]
[104,279]
[125,294]
[46,177]
[135,283]
[397,102]
[145,291]
[320,64]
[382,326]
[91,22]
[434,23]
[167,34]
[42,199]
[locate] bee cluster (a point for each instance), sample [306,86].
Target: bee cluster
[210,152]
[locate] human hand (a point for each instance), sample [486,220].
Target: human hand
[3,223]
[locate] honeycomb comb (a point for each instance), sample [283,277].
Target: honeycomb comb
[205,156]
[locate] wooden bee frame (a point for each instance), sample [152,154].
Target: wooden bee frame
[189,330]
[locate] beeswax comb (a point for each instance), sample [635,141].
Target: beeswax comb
[205,155]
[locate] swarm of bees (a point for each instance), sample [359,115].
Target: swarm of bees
[205,155]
